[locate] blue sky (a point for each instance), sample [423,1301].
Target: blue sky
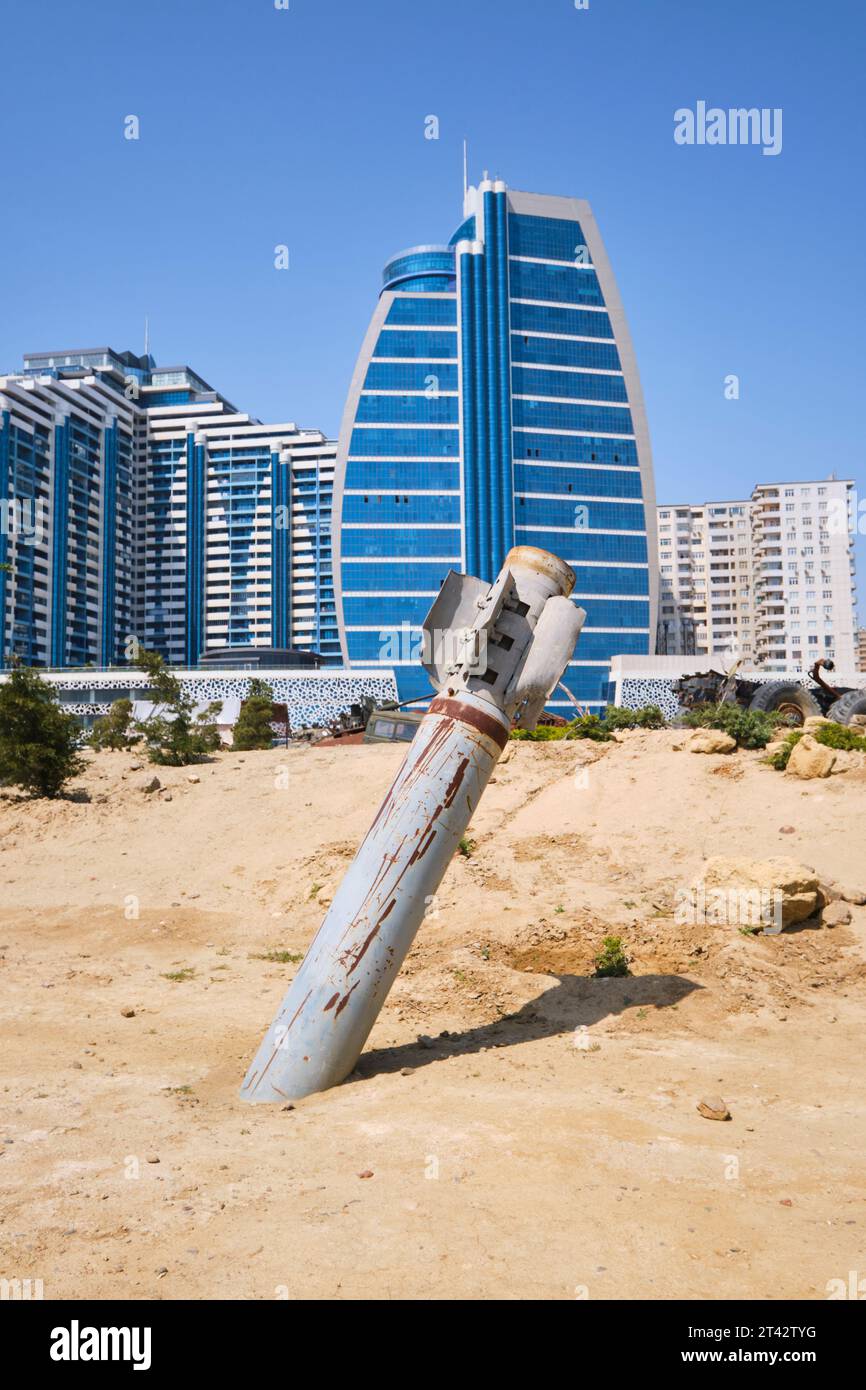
[305,127]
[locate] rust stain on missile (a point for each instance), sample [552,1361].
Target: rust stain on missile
[454,785]
[369,939]
[476,719]
[345,999]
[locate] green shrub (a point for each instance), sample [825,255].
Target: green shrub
[647,717]
[113,730]
[179,736]
[752,728]
[611,959]
[585,726]
[837,736]
[840,736]
[38,740]
[253,729]
[545,733]
[589,726]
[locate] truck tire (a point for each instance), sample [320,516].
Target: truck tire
[788,698]
[852,703]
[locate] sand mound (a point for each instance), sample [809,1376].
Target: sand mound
[541,1137]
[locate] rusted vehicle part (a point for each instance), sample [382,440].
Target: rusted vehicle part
[815,673]
[505,662]
[787,697]
[392,726]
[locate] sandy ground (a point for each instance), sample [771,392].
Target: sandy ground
[541,1140]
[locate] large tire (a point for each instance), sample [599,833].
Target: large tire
[852,703]
[788,698]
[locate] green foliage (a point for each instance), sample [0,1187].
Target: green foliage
[253,729]
[113,730]
[38,740]
[589,726]
[840,736]
[466,847]
[752,728]
[585,726]
[175,736]
[837,736]
[611,959]
[544,733]
[647,717]
[277,957]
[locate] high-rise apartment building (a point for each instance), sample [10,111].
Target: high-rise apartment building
[496,402]
[861,649]
[706,585]
[138,503]
[769,579]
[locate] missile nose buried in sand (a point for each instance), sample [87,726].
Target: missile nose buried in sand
[494,652]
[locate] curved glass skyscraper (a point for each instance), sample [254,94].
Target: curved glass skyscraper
[496,402]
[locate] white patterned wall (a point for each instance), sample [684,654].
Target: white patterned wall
[313,699]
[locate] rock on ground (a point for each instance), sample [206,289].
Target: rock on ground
[797,884]
[810,759]
[711,741]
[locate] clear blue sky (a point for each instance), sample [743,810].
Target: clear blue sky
[306,127]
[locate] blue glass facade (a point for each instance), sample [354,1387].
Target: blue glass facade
[160,515]
[500,408]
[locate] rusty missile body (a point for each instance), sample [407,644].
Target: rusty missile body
[496,653]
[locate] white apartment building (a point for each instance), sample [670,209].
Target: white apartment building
[137,503]
[769,579]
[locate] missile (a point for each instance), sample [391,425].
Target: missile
[494,653]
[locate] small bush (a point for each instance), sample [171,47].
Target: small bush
[113,730]
[611,959]
[837,736]
[38,740]
[752,728]
[588,726]
[276,958]
[466,847]
[779,758]
[178,737]
[253,728]
[842,737]
[545,733]
[647,717]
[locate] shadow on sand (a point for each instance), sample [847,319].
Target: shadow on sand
[574,1002]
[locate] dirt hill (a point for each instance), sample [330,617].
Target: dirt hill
[517,1128]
